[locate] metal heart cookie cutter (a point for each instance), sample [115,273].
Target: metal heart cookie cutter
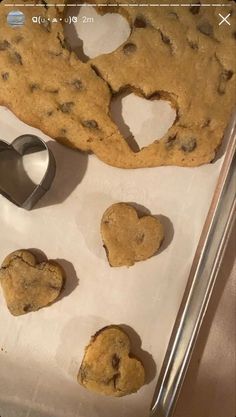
[26,154]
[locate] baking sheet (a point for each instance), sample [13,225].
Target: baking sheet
[40,353]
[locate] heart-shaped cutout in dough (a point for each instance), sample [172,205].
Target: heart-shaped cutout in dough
[128,238]
[28,286]
[141,120]
[108,368]
[95,31]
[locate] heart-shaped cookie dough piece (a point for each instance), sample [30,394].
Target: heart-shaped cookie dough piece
[108,368]
[28,286]
[127,237]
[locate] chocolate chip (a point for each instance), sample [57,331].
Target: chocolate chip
[52,53]
[66,107]
[189,145]
[170,140]
[194,9]
[115,361]
[49,113]
[115,378]
[165,38]
[52,91]
[139,238]
[16,58]
[5,76]
[225,76]
[47,25]
[91,124]
[77,84]
[206,28]
[34,87]
[193,45]
[61,40]
[45,4]
[4,45]
[173,15]
[140,22]
[206,123]
[28,307]
[129,48]
[155,96]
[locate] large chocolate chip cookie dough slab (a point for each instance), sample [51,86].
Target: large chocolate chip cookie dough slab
[41,352]
[46,86]
[178,54]
[181,54]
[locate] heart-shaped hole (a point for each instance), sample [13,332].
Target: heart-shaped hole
[141,120]
[92,34]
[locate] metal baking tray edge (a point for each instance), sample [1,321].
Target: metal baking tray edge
[202,277]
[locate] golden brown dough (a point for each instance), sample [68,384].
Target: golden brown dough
[128,238]
[108,367]
[180,54]
[28,286]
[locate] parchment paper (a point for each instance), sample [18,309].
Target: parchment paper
[40,353]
